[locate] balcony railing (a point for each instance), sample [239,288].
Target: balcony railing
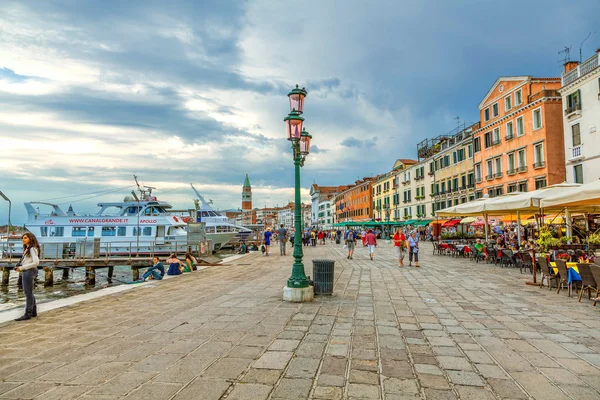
[576,152]
[574,108]
[510,136]
[511,172]
[589,65]
[543,93]
[496,142]
[539,164]
[498,175]
[478,180]
[523,168]
[489,177]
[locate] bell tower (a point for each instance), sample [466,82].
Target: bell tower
[246,195]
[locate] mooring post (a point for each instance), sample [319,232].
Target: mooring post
[65,273]
[5,275]
[110,273]
[136,273]
[49,277]
[90,276]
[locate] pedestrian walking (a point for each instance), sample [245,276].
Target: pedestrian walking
[399,245]
[27,266]
[267,241]
[413,249]
[363,237]
[371,243]
[282,233]
[350,243]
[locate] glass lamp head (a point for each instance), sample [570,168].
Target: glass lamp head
[296,97]
[305,142]
[293,125]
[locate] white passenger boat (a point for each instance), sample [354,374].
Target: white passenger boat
[135,225]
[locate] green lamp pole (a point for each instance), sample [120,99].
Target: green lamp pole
[300,140]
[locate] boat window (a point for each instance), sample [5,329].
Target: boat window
[78,231]
[148,211]
[44,231]
[158,210]
[58,231]
[204,214]
[121,230]
[90,231]
[131,210]
[109,231]
[147,231]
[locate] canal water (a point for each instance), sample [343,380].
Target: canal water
[11,296]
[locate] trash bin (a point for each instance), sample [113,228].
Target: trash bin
[323,276]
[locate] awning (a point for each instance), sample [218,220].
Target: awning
[410,222]
[452,222]
[468,220]
[439,222]
[423,222]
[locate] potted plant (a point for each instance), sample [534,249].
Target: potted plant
[546,240]
[593,241]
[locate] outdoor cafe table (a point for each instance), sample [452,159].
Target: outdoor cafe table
[571,269]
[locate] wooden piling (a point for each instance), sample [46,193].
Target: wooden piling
[49,276]
[5,275]
[90,276]
[136,273]
[65,274]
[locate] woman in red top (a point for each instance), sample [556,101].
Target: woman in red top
[399,245]
[321,237]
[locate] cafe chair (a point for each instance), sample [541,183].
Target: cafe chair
[547,272]
[563,274]
[587,280]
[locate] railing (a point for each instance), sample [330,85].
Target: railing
[496,142]
[510,137]
[572,109]
[586,67]
[489,177]
[543,93]
[511,172]
[576,152]
[498,175]
[478,180]
[539,164]
[523,168]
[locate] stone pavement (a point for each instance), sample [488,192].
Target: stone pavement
[451,329]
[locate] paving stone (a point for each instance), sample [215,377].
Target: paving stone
[6,386]
[401,386]
[368,377]
[581,392]
[100,374]
[292,389]
[156,362]
[361,391]
[465,378]
[273,360]
[473,393]
[184,370]
[284,345]
[433,381]
[303,368]
[249,391]
[331,380]
[334,365]
[28,390]
[506,388]
[397,369]
[65,392]
[538,386]
[491,371]
[435,394]
[154,390]
[428,369]
[478,357]
[328,393]
[454,363]
[123,383]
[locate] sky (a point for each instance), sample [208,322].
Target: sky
[175,92]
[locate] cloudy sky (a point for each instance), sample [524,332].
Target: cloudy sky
[92,92]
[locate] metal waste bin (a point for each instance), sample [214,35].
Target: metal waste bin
[323,276]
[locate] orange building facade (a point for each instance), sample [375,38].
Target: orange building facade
[520,144]
[354,204]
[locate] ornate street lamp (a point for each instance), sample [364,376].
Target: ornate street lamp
[298,288]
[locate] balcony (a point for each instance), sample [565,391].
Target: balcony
[478,180]
[489,177]
[511,172]
[576,153]
[586,67]
[539,164]
[523,168]
[498,175]
[405,182]
[543,93]
[510,137]
[573,111]
[430,173]
[472,185]
[418,178]
[496,142]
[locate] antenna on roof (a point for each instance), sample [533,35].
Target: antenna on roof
[566,51]
[581,45]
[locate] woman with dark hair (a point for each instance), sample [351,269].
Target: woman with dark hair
[175,265]
[27,266]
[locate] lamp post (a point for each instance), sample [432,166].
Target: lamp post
[297,288]
[9,210]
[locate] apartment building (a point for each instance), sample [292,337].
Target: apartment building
[453,169]
[399,192]
[354,203]
[415,186]
[383,193]
[321,204]
[580,93]
[520,135]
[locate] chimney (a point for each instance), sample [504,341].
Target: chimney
[569,65]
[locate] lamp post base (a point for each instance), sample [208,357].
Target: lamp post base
[298,295]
